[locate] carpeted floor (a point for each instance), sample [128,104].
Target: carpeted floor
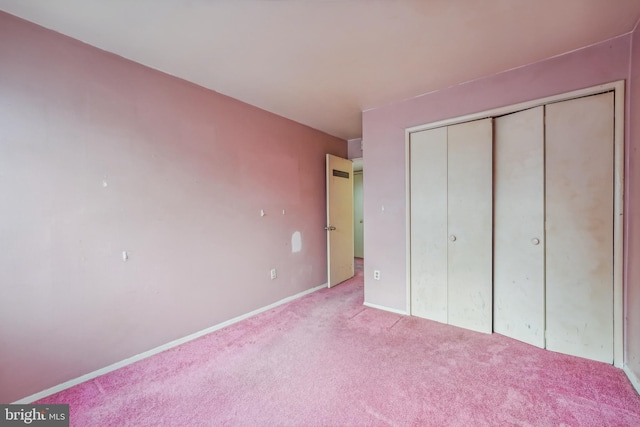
[326,360]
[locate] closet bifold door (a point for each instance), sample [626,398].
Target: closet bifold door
[428,191]
[518,246]
[579,157]
[469,225]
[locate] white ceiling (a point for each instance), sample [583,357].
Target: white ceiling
[322,62]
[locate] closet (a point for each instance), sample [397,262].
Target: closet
[451,205]
[512,225]
[518,246]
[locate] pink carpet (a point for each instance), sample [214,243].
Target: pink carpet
[326,360]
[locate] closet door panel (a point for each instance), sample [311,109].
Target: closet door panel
[428,154]
[579,227]
[518,247]
[470,183]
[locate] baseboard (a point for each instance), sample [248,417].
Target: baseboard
[635,381]
[381,307]
[154,351]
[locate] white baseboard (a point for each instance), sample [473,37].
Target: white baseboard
[159,349]
[635,381]
[381,307]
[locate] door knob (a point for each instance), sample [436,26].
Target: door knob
[535,241]
[330,228]
[452,238]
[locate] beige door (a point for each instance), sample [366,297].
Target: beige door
[358,216]
[428,190]
[518,247]
[579,226]
[451,223]
[339,219]
[470,219]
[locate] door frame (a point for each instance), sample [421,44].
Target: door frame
[618,87]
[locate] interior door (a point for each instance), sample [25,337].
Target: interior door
[518,247]
[470,220]
[579,157]
[428,190]
[339,219]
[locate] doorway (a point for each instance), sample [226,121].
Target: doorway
[358,209]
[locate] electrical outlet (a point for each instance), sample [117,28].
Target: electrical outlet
[274,273]
[376,274]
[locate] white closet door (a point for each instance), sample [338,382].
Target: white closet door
[470,182]
[518,247]
[428,154]
[579,227]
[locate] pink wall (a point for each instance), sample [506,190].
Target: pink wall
[355,148]
[99,155]
[384,133]
[632,201]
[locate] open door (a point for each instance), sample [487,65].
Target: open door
[339,220]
